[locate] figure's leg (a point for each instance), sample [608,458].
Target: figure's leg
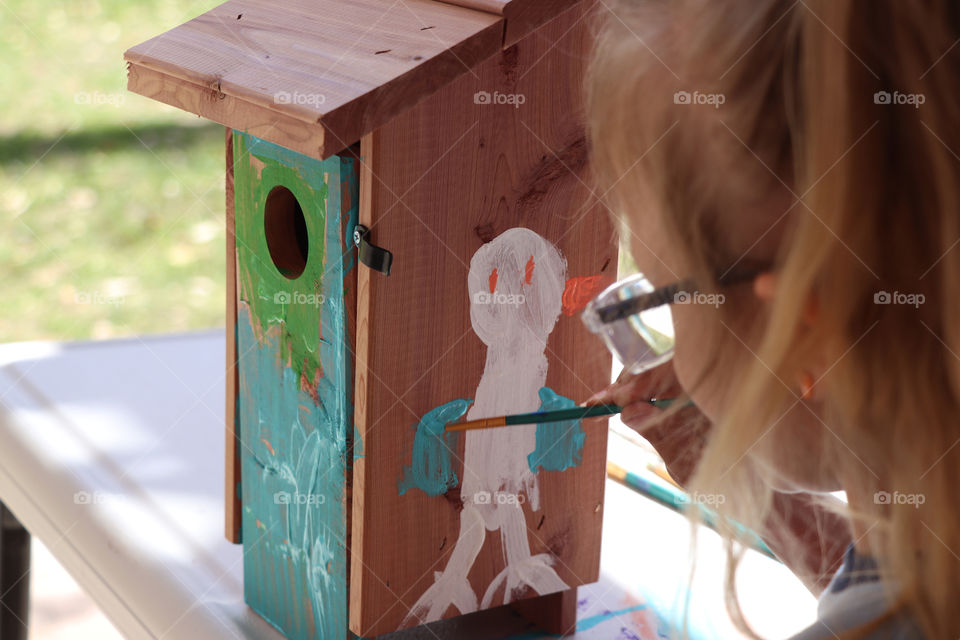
[522,570]
[553,613]
[451,586]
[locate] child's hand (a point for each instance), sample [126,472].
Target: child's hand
[679,438]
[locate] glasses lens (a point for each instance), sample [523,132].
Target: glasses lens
[640,341]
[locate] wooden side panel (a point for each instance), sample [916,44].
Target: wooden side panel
[232,450]
[295,360]
[493,153]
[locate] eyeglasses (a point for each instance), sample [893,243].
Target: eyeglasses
[634,320]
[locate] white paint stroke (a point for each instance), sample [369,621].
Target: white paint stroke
[514,322]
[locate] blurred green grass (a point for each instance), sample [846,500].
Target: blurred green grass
[112,204]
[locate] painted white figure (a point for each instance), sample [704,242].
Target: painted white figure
[516,283]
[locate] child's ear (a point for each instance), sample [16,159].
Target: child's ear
[765,286]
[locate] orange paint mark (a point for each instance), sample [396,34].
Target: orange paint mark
[260,525]
[528,276]
[269,446]
[493,280]
[580,291]
[646,623]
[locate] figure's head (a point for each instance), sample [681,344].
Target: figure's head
[516,284]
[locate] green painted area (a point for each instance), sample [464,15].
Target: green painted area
[293,306]
[294,409]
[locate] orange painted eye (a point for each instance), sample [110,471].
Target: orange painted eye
[493,280]
[528,276]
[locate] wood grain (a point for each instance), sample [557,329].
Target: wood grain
[522,16]
[331,70]
[295,390]
[350,209]
[553,613]
[439,181]
[232,506]
[236,113]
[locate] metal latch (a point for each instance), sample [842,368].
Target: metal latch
[377,258]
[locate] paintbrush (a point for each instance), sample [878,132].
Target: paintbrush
[677,499]
[540,417]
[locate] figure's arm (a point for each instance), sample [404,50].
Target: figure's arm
[431,462]
[808,538]
[559,445]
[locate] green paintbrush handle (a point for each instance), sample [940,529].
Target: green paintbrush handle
[573,413]
[576,413]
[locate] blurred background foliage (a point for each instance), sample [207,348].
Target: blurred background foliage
[112,204]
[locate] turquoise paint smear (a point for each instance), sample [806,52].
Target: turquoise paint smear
[309,169]
[296,452]
[592,621]
[348,204]
[431,468]
[559,444]
[295,478]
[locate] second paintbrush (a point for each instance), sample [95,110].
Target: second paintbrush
[540,417]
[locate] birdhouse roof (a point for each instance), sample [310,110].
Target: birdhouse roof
[316,75]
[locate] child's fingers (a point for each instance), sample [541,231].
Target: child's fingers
[659,382]
[635,414]
[600,397]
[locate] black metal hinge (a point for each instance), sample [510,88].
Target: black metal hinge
[377,258]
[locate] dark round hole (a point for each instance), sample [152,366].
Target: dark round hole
[286,231]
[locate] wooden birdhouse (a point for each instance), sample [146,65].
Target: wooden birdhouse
[411,234]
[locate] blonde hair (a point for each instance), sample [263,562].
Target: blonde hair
[848,110]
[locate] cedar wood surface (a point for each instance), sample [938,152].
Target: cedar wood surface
[437,182]
[521,16]
[345,67]
[553,613]
[232,513]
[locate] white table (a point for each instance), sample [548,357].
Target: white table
[111,453]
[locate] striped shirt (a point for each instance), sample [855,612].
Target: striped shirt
[857,596]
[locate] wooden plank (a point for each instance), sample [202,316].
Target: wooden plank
[232,507]
[438,183]
[296,421]
[350,206]
[361,417]
[490,6]
[344,68]
[522,16]
[236,113]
